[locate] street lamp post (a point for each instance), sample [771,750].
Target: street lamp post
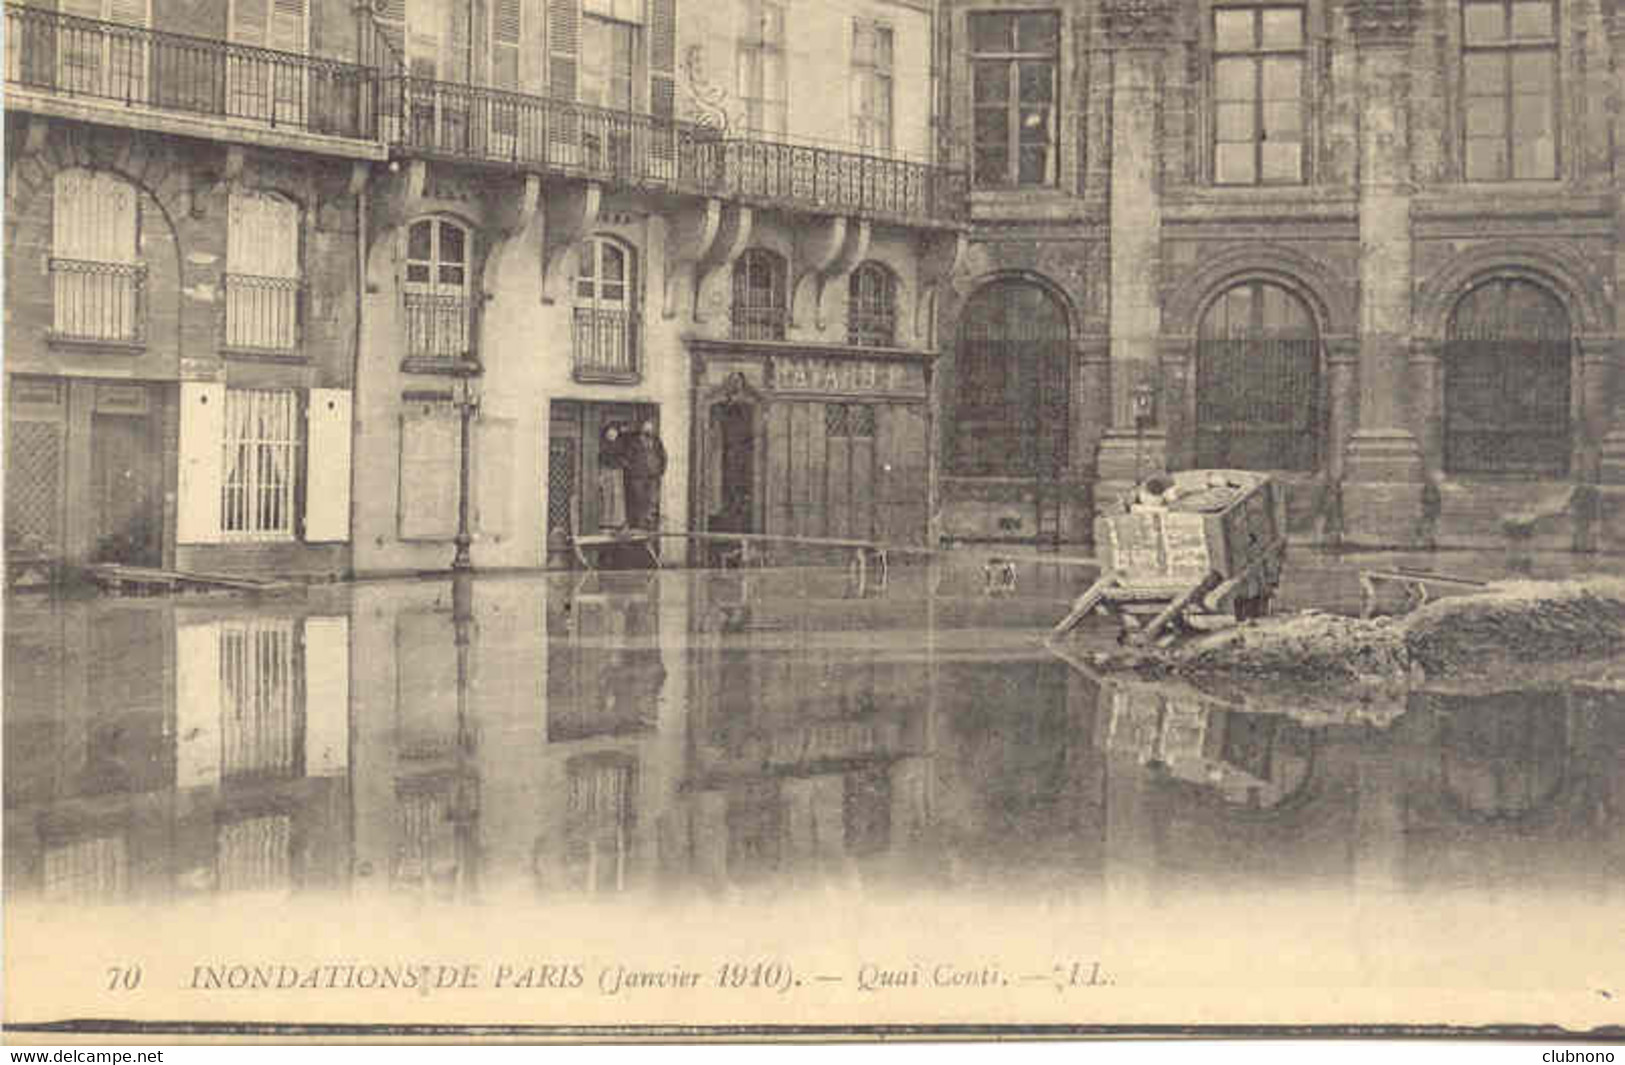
[468,405]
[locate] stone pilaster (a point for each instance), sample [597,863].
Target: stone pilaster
[1343,390]
[1597,383]
[1176,366]
[1382,494]
[1427,403]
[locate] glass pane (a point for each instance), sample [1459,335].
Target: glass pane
[585,289]
[1232,30]
[992,126]
[1532,73]
[992,165]
[772,76]
[1038,33]
[1534,146]
[586,261]
[621,48]
[417,273]
[1037,82]
[451,243]
[1035,125]
[1483,23]
[1486,117]
[614,263]
[1283,122]
[992,82]
[1234,79]
[1486,74]
[1283,161]
[1486,159]
[1233,164]
[1034,165]
[1234,122]
[992,33]
[613,293]
[883,48]
[1283,27]
[451,275]
[418,240]
[1283,79]
[1532,19]
[1534,160]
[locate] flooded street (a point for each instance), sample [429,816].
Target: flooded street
[782,754]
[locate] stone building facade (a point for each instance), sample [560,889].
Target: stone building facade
[1371,245]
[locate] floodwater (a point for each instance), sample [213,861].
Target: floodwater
[858,784]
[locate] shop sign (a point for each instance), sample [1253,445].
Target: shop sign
[845,376]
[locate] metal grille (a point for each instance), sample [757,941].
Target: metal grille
[561,484]
[849,419]
[436,326]
[261,453]
[759,306]
[97,300]
[255,854]
[1014,384]
[1256,403]
[262,312]
[605,343]
[871,313]
[257,693]
[599,813]
[428,847]
[89,870]
[33,479]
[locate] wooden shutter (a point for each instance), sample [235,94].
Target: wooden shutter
[663,59]
[327,696]
[95,218]
[327,466]
[429,472]
[506,26]
[127,12]
[563,44]
[862,81]
[287,32]
[251,22]
[456,60]
[197,705]
[202,441]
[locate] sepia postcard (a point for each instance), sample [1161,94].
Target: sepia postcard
[580,520]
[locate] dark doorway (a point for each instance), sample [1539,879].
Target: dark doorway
[124,478]
[735,429]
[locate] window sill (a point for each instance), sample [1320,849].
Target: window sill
[606,377]
[95,345]
[281,355]
[432,364]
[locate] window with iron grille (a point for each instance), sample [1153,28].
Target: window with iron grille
[104,60]
[849,420]
[600,815]
[872,85]
[1014,383]
[87,870]
[1507,382]
[1258,95]
[761,67]
[96,278]
[259,84]
[1258,381]
[258,694]
[262,272]
[435,293]
[260,472]
[255,854]
[760,308]
[606,325]
[1014,59]
[1509,76]
[871,308]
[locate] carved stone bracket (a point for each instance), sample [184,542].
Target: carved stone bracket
[688,240]
[397,197]
[1382,22]
[712,248]
[513,207]
[940,254]
[572,212]
[1143,22]
[827,249]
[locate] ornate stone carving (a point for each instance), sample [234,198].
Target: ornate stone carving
[1140,21]
[708,103]
[1382,21]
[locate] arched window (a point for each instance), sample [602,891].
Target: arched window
[605,328]
[1258,381]
[1011,417]
[435,295]
[1506,382]
[761,300]
[96,278]
[262,272]
[871,307]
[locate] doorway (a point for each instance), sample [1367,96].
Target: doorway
[124,478]
[584,495]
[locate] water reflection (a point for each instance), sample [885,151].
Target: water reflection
[742,734]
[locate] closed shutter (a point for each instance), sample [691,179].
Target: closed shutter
[862,82]
[506,26]
[197,705]
[663,85]
[288,28]
[429,472]
[563,44]
[327,696]
[250,22]
[327,467]
[197,517]
[95,218]
[457,41]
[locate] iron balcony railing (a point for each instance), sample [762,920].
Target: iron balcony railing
[758,322]
[605,343]
[262,312]
[436,118]
[138,67]
[98,300]
[437,328]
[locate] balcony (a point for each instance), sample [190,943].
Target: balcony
[437,333]
[98,303]
[442,119]
[262,314]
[605,345]
[55,62]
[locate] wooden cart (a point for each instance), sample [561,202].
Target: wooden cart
[1188,543]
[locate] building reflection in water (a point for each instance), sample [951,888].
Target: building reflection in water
[748,734]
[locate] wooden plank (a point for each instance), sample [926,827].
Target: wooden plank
[776,494]
[838,512]
[801,469]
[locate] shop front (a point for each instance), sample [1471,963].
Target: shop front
[817,442]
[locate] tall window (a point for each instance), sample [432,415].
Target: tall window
[606,322]
[761,302]
[608,48]
[1258,95]
[435,294]
[1509,68]
[871,307]
[761,70]
[1506,382]
[1257,381]
[872,85]
[260,87]
[258,698]
[262,272]
[1012,363]
[1013,83]
[95,62]
[96,278]
[261,465]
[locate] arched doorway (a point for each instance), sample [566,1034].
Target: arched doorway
[1258,401]
[1011,411]
[1507,381]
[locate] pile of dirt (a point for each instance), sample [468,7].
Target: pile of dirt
[1505,628]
